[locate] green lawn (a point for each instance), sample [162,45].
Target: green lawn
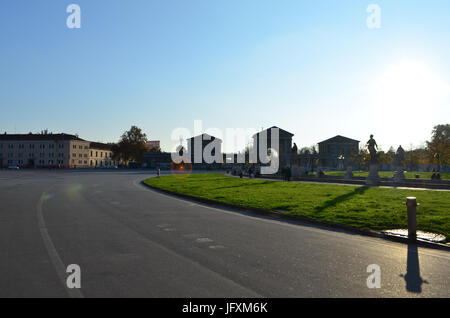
[361,207]
[390,174]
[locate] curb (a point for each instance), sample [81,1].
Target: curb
[297,218]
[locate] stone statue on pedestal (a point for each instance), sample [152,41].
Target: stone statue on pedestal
[373,148]
[399,158]
[294,162]
[349,173]
[373,177]
[399,164]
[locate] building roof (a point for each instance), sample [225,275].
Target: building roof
[338,139]
[282,132]
[99,145]
[206,137]
[37,137]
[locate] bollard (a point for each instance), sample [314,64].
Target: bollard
[411,205]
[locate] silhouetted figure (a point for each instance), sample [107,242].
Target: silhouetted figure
[250,172]
[373,147]
[286,171]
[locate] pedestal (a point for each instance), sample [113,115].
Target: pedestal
[373,178]
[349,174]
[399,176]
[319,173]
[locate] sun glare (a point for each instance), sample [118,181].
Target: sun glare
[408,87]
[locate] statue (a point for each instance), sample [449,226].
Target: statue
[295,149]
[398,162]
[373,147]
[399,157]
[373,178]
[294,155]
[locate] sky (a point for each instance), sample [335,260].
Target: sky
[313,68]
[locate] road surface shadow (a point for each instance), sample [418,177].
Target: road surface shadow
[412,277]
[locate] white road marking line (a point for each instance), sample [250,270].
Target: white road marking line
[53,254]
[217,247]
[204,240]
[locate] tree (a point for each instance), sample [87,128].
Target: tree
[308,150]
[360,158]
[131,146]
[384,158]
[439,147]
[412,159]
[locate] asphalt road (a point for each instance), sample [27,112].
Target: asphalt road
[130,241]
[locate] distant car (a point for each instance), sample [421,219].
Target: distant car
[13,167]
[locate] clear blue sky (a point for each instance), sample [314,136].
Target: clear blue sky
[313,68]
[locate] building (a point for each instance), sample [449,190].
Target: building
[203,144]
[336,152]
[156,159]
[153,145]
[52,150]
[101,155]
[284,149]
